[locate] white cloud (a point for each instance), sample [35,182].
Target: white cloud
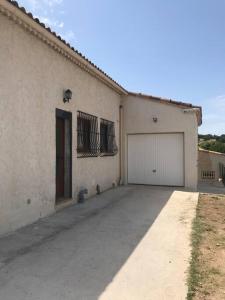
[221,98]
[210,116]
[51,23]
[38,4]
[68,36]
[51,3]
[51,13]
[33,4]
[61,24]
[219,102]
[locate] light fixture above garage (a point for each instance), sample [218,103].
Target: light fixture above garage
[155,119]
[67,95]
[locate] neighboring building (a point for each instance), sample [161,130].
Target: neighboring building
[210,165]
[53,146]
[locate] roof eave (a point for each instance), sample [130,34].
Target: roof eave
[180,104]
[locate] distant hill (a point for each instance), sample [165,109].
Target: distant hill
[212,142]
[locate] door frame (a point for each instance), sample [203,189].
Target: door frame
[66,115]
[143,133]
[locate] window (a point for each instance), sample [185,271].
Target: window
[107,138]
[87,134]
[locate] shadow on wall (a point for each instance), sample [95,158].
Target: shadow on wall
[79,262]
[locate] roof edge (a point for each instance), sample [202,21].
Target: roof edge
[171,102]
[19,15]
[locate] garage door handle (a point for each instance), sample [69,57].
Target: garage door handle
[154,171]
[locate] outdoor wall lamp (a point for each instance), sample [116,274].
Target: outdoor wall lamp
[155,119]
[67,95]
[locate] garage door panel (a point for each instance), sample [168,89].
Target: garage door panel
[141,148]
[156,159]
[169,159]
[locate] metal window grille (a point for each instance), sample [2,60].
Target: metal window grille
[87,135]
[208,174]
[107,138]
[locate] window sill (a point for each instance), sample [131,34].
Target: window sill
[86,155]
[108,154]
[83,155]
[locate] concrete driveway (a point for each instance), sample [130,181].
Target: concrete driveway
[128,243]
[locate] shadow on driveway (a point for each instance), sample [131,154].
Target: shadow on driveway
[76,253]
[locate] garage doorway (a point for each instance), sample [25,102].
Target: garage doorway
[63,155]
[156,159]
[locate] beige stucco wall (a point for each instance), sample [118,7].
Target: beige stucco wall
[138,114]
[33,77]
[209,161]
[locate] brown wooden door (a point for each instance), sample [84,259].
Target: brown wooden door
[60,157]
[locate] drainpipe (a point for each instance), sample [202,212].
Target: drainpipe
[120,141]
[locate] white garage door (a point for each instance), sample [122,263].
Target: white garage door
[156,159]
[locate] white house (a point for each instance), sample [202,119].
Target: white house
[65,125]
[211,166]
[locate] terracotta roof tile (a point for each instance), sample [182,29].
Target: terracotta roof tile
[29,14]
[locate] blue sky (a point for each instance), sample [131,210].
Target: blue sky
[174,49]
